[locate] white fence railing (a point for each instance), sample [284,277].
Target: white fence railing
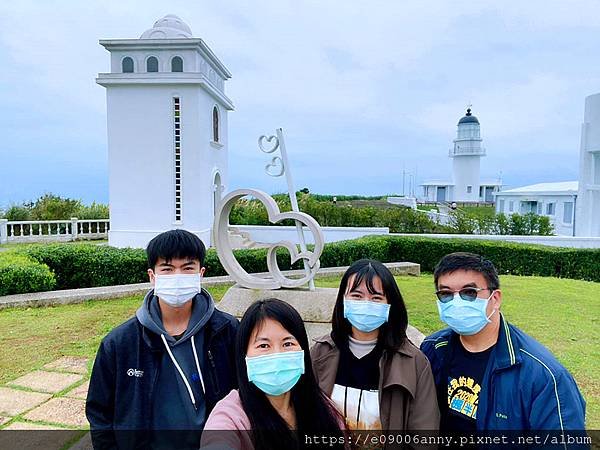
[53,230]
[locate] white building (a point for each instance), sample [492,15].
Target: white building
[555,200]
[588,203]
[167,133]
[466,154]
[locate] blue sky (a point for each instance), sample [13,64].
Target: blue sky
[362,89]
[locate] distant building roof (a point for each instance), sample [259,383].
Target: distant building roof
[560,188]
[437,183]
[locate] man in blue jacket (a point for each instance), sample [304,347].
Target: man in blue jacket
[489,374]
[165,368]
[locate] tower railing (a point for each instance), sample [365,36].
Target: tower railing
[467,150]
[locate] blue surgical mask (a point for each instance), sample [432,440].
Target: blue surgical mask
[463,316]
[366,315]
[275,373]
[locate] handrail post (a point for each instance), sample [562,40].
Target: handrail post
[3,231]
[74,228]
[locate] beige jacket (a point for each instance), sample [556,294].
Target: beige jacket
[407,395]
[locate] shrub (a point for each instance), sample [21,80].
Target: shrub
[397,219]
[502,224]
[87,265]
[464,222]
[509,258]
[54,207]
[544,227]
[17,213]
[93,211]
[20,274]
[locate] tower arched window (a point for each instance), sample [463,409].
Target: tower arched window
[177,64]
[127,65]
[215,124]
[152,64]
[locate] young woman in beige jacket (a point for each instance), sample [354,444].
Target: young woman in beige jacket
[375,376]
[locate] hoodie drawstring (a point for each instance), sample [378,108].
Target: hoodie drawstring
[185,381]
[198,365]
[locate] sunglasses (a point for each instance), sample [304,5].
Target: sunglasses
[469,294]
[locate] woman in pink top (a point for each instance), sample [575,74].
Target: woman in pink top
[279,403]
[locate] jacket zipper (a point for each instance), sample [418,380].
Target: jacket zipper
[380,382]
[213,372]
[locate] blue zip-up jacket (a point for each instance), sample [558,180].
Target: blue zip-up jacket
[524,387]
[124,378]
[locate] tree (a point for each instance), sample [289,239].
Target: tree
[54,207]
[93,211]
[17,213]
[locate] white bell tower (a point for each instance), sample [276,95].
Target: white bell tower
[167,133]
[466,156]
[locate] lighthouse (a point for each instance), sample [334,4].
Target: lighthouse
[465,185]
[167,133]
[466,159]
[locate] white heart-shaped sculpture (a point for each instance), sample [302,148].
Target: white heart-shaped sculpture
[277,279]
[275,168]
[270,149]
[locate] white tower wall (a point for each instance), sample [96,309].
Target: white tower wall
[466,171]
[141,120]
[588,199]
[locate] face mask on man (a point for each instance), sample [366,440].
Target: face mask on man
[366,315]
[275,373]
[466,317]
[176,290]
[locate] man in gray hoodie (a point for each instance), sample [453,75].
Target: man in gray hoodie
[165,368]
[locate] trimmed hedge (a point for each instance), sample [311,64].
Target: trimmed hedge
[397,218]
[509,258]
[87,265]
[20,274]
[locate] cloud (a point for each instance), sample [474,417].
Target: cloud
[362,89]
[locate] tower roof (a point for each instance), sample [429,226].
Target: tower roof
[468,118]
[169,27]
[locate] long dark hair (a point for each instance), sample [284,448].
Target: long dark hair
[314,411]
[392,333]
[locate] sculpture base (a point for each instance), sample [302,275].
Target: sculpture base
[315,307]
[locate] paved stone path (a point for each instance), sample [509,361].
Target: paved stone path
[52,398]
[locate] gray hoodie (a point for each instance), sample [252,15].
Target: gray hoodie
[179,391]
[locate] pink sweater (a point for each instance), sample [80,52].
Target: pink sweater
[227,426]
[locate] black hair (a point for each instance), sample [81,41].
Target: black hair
[314,411]
[392,333]
[175,244]
[467,261]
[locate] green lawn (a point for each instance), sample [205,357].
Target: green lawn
[562,314]
[479,211]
